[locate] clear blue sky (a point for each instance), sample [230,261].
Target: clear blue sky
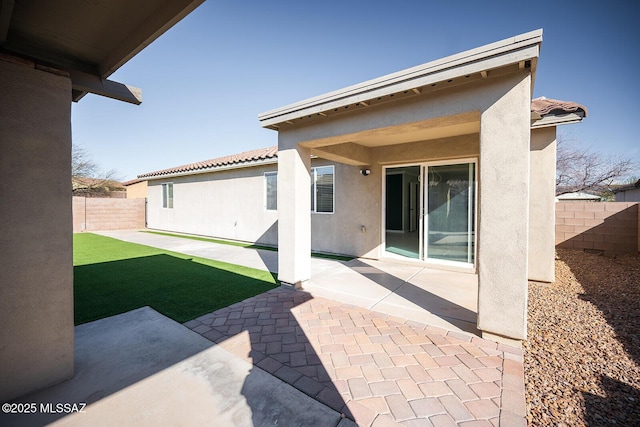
[205,81]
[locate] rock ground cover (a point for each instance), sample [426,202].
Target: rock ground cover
[582,358]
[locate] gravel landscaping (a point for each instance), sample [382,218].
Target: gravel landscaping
[582,358]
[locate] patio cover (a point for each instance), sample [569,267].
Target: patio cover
[88,40]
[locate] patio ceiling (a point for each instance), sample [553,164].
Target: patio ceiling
[89,40]
[436,128]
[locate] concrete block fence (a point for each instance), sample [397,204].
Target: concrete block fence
[611,227]
[96,214]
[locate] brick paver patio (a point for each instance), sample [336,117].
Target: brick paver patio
[376,369]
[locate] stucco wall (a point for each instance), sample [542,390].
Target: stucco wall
[36,284]
[357,204]
[609,227]
[227,204]
[137,190]
[542,205]
[95,214]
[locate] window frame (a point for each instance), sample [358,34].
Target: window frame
[167,202]
[314,192]
[266,191]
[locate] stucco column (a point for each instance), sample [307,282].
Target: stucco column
[542,205]
[294,213]
[36,284]
[503,218]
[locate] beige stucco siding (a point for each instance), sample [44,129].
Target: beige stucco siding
[227,204]
[357,204]
[542,205]
[503,210]
[36,284]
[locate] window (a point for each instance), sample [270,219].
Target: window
[167,195]
[322,185]
[271,190]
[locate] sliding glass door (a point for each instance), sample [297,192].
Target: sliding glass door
[430,212]
[450,219]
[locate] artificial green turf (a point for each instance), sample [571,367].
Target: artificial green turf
[247,245]
[112,277]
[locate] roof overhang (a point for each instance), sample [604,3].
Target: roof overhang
[516,52]
[88,40]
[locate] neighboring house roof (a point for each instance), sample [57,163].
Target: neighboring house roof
[244,159]
[133,181]
[627,187]
[96,187]
[79,182]
[577,196]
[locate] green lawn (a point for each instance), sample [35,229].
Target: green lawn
[112,277]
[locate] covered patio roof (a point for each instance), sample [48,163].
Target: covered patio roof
[88,40]
[473,65]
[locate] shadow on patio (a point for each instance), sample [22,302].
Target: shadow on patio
[439,298]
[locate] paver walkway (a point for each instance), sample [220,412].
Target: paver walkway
[375,369]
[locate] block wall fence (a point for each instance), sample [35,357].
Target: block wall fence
[99,214]
[611,227]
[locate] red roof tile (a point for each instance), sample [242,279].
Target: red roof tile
[544,106]
[234,159]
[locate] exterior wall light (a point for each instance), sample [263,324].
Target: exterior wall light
[365,172]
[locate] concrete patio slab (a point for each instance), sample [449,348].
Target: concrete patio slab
[141,368]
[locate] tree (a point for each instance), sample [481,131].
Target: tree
[581,169]
[87,178]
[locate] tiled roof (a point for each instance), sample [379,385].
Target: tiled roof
[544,106]
[132,181]
[84,182]
[234,159]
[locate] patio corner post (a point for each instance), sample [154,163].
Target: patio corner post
[294,212]
[36,286]
[542,205]
[503,222]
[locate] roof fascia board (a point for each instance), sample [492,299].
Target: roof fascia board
[557,120]
[493,55]
[211,169]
